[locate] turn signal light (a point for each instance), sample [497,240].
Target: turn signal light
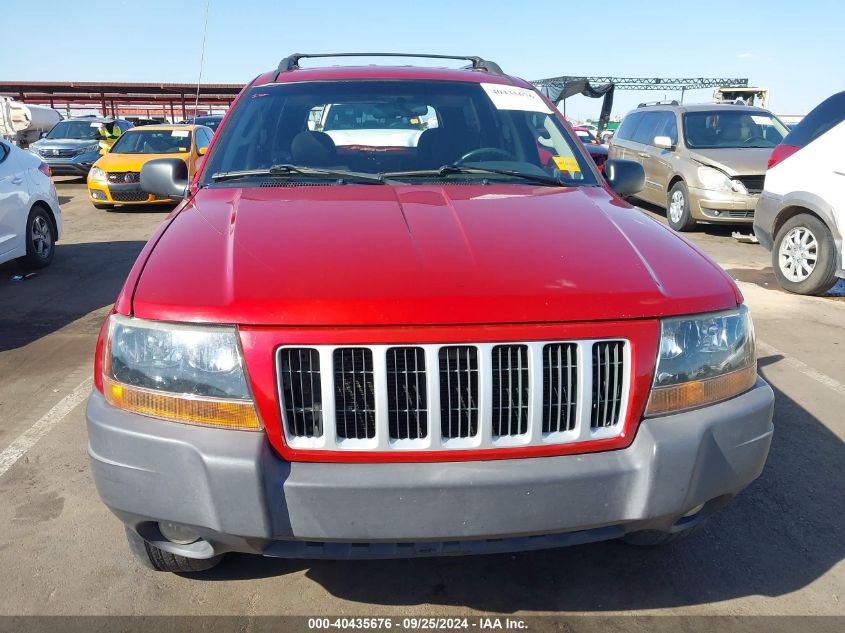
[230,414]
[781,153]
[698,393]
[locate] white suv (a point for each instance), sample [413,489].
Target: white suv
[801,212]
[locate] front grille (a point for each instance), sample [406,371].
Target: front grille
[58,153]
[355,400]
[299,373]
[608,365]
[406,393]
[129,196]
[510,389]
[754,184]
[560,386]
[458,391]
[438,397]
[123,177]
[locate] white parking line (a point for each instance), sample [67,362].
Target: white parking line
[805,369]
[30,437]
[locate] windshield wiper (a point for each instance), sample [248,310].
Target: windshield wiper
[295,170]
[446,170]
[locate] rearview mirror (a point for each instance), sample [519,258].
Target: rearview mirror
[663,142]
[625,177]
[165,177]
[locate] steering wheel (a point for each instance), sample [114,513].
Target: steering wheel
[486,153]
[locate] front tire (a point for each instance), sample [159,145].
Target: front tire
[40,239]
[677,208]
[804,256]
[157,559]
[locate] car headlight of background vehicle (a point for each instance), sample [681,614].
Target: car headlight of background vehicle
[703,359]
[97,174]
[184,373]
[716,180]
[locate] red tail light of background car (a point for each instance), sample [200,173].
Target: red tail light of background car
[781,153]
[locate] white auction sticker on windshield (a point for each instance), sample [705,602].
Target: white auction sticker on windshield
[761,120]
[179,133]
[514,98]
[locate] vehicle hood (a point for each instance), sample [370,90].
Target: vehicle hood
[63,143]
[130,162]
[750,161]
[421,255]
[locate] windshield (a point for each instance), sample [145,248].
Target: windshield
[79,130]
[397,127]
[717,129]
[153,142]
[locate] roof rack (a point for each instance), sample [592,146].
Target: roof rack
[646,104]
[291,62]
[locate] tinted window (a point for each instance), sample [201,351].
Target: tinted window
[739,127]
[146,141]
[4,152]
[828,114]
[628,127]
[646,130]
[378,126]
[668,127]
[203,138]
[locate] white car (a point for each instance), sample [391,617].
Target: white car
[800,216]
[30,217]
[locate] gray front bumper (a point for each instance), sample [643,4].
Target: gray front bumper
[241,496]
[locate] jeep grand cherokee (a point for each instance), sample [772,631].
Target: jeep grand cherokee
[465,344]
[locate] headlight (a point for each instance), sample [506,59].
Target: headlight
[715,180]
[703,359]
[184,373]
[97,174]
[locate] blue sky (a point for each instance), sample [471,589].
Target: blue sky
[794,49]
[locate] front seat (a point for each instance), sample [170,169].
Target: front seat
[437,147]
[313,149]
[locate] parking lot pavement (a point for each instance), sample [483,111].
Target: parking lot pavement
[777,549]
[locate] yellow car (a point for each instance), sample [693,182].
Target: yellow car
[116,177]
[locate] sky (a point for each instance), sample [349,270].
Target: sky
[794,49]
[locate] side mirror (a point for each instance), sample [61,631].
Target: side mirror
[625,177]
[165,177]
[663,142]
[42,135]
[202,150]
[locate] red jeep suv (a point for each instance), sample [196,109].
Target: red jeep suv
[400,313]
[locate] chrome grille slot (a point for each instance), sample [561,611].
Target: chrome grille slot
[455,396]
[560,387]
[355,406]
[299,370]
[407,402]
[608,365]
[510,389]
[458,391]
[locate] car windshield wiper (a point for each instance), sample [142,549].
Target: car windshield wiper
[295,170]
[446,170]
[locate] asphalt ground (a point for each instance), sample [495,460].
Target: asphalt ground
[777,549]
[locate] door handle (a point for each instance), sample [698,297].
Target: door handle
[17,180]
[644,155]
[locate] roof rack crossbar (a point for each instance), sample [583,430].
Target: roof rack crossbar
[646,104]
[291,62]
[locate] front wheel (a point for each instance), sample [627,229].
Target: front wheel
[157,559]
[40,239]
[804,256]
[677,208]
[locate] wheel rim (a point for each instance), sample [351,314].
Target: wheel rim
[676,206]
[798,254]
[42,240]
